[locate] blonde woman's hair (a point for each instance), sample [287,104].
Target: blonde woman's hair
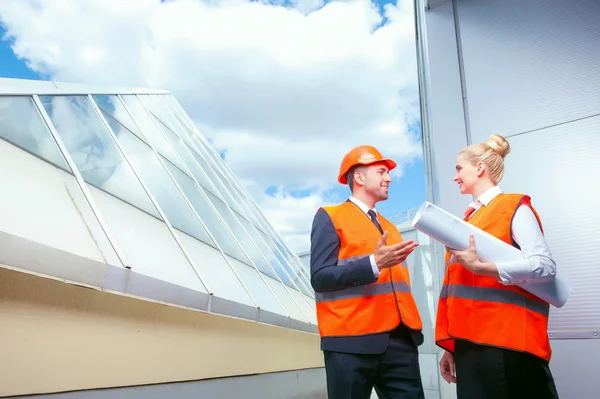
[491,152]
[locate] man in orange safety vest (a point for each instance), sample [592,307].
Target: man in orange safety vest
[369,323]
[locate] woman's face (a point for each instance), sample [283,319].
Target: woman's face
[466,176]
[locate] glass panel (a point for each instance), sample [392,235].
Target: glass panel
[251,213]
[189,161]
[93,150]
[116,115]
[148,244]
[292,268]
[181,116]
[243,204]
[286,299]
[207,214]
[215,270]
[149,128]
[242,237]
[22,125]
[162,187]
[299,270]
[285,265]
[265,251]
[211,162]
[288,260]
[162,112]
[217,182]
[257,287]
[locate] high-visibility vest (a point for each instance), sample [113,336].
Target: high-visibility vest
[369,308]
[482,310]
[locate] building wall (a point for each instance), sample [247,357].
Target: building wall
[62,337]
[527,70]
[126,180]
[130,255]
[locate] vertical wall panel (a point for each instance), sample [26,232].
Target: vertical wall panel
[559,168]
[444,101]
[530,73]
[529,64]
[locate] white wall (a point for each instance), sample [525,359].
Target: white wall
[529,72]
[35,204]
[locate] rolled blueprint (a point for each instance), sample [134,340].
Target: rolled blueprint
[454,233]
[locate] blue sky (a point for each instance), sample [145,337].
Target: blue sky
[405,193]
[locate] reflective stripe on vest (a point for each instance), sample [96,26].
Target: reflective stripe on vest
[367,290]
[494,295]
[483,310]
[367,308]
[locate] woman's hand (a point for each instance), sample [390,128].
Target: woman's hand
[470,259]
[447,368]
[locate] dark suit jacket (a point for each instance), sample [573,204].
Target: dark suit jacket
[327,276]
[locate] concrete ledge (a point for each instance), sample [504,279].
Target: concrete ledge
[59,337]
[27,255]
[305,384]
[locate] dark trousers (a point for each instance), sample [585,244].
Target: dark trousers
[485,372]
[395,373]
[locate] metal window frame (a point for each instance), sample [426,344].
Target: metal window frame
[186,199]
[218,195]
[286,287]
[206,147]
[198,136]
[228,207]
[44,88]
[199,153]
[268,228]
[82,184]
[145,187]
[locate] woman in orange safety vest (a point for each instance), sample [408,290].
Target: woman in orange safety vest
[495,333]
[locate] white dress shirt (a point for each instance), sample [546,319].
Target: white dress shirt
[365,209]
[537,264]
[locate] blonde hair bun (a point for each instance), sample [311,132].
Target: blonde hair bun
[499,144]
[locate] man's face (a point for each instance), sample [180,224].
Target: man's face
[375,180]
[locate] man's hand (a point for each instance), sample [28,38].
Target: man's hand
[447,367]
[388,256]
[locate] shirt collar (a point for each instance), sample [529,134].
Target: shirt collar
[486,197]
[361,205]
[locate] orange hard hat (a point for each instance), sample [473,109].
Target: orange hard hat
[362,155]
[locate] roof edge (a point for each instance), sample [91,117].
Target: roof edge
[12,86]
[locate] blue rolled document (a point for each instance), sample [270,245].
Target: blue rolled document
[454,233]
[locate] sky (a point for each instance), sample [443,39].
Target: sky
[283,89]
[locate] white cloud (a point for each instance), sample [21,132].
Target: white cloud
[292,216]
[283,91]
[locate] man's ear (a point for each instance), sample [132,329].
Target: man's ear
[359,177]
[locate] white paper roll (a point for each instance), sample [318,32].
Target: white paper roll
[454,233]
